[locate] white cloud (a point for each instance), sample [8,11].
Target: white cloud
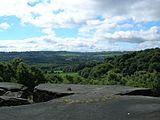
[4,26]
[153,34]
[140,10]
[98,22]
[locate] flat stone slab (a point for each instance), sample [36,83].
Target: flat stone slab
[87,103]
[85,92]
[121,108]
[82,89]
[12,101]
[2,91]
[11,86]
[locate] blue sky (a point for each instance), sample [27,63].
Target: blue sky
[17,30]
[86,25]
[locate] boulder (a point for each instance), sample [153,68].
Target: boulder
[13,90]
[12,94]
[43,96]
[2,91]
[18,94]
[14,87]
[11,101]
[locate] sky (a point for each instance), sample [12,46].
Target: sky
[79,25]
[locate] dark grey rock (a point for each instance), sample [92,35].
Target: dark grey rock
[46,92]
[43,96]
[86,103]
[82,89]
[120,108]
[2,91]
[12,86]
[18,94]
[11,101]
[12,94]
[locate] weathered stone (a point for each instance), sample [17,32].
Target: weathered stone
[12,94]
[141,92]
[87,103]
[2,91]
[11,101]
[43,96]
[19,94]
[46,92]
[14,87]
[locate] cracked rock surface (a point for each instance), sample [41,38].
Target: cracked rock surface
[12,94]
[86,102]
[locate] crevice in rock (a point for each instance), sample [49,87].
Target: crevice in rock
[44,96]
[142,92]
[10,101]
[12,98]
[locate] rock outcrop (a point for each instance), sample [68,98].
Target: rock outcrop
[46,92]
[12,101]
[12,94]
[87,102]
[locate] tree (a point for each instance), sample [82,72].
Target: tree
[37,76]
[6,72]
[24,76]
[29,76]
[15,62]
[154,67]
[100,70]
[85,72]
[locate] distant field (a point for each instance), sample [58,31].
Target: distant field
[60,60]
[63,74]
[70,55]
[54,57]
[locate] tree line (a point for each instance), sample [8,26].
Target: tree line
[19,72]
[140,69]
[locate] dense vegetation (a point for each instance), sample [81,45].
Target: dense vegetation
[19,72]
[62,60]
[140,69]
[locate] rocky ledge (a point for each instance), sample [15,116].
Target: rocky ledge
[86,102]
[12,94]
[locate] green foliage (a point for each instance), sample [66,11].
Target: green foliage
[96,72]
[6,72]
[140,69]
[37,76]
[146,60]
[113,78]
[60,60]
[67,78]
[24,75]
[15,62]
[144,79]
[154,67]
[85,72]
[19,72]
[53,78]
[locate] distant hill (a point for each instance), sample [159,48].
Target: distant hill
[59,59]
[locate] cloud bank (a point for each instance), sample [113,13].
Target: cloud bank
[101,24]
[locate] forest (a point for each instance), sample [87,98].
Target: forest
[139,68]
